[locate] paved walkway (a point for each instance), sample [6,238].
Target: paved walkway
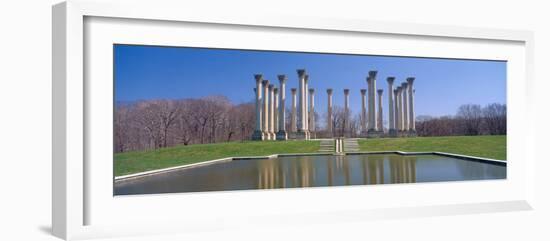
[327,145]
[351,145]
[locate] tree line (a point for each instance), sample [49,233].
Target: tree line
[153,124]
[470,120]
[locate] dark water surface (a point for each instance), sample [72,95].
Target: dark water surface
[313,171]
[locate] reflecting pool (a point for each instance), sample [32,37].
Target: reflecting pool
[313,171]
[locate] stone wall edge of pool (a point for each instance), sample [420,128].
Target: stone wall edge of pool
[227,159]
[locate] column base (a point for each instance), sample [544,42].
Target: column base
[392,133]
[282,135]
[302,135]
[258,136]
[372,133]
[412,133]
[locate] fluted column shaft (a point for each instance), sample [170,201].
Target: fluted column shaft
[311,115]
[371,80]
[265,121]
[391,117]
[380,115]
[293,123]
[301,101]
[281,134]
[412,124]
[405,108]
[346,109]
[396,109]
[306,111]
[258,91]
[271,112]
[329,112]
[276,110]
[400,108]
[363,111]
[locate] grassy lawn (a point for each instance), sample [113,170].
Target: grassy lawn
[134,162]
[480,146]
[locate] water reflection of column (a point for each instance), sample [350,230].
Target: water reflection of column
[405,171]
[364,163]
[330,172]
[294,174]
[393,168]
[407,168]
[372,171]
[304,168]
[280,175]
[347,171]
[412,164]
[380,169]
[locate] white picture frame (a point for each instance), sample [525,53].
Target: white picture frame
[75,189]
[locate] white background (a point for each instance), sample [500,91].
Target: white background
[25,121]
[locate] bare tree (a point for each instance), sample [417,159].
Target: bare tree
[495,118]
[471,118]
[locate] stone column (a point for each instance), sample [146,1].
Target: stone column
[391,117]
[265,120]
[396,111]
[380,116]
[363,112]
[271,113]
[293,122]
[346,110]
[401,120]
[275,110]
[329,112]
[258,135]
[405,108]
[371,80]
[282,135]
[399,110]
[311,114]
[412,119]
[302,126]
[306,112]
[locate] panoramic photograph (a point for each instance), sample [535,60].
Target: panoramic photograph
[190,119]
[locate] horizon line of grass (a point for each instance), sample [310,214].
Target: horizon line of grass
[139,161]
[488,146]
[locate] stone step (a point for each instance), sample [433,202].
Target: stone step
[326,146]
[351,145]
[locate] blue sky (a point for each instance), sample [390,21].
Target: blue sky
[442,85]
